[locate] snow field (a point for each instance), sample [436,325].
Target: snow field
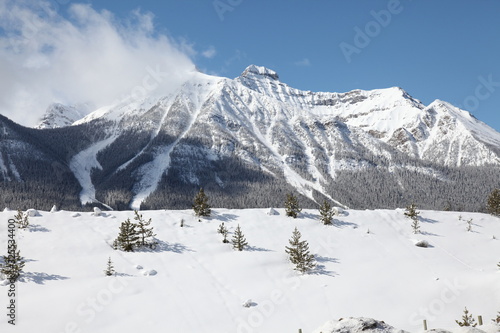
[368,266]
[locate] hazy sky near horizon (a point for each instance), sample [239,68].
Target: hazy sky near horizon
[95,51]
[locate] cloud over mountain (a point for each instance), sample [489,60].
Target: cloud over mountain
[76,54]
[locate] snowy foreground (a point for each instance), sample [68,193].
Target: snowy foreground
[368,266]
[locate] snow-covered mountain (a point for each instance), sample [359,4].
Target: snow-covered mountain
[59,115]
[254,134]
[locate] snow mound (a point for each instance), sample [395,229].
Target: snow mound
[272,211]
[357,325]
[75,214]
[6,209]
[97,212]
[32,213]
[488,328]
[149,272]
[249,303]
[53,209]
[337,211]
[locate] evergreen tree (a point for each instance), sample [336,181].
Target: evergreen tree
[239,241]
[143,231]
[127,238]
[493,204]
[223,231]
[292,207]
[497,319]
[110,270]
[412,213]
[298,252]
[21,220]
[467,319]
[200,205]
[469,225]
[326,213]
[13,263]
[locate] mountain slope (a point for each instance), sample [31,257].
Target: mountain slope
[240,138]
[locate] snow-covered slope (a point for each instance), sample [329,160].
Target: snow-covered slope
[368,266]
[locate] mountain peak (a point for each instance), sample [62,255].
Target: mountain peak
[59,115]
[254,70]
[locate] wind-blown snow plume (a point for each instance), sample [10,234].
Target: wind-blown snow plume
[76,55]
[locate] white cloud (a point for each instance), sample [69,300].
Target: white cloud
[304,63]
[90,57]
[209,53]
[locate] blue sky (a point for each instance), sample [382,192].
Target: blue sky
[448,50]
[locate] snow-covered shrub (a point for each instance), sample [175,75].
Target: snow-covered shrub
[422,243]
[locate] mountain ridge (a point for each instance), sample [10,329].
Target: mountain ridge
[239,137]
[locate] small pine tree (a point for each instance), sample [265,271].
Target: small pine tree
[298,252]
[127,238]
[326,213]
[497,319]
[412,213]
[143,231]
[467,319]
[239,241]
[292,207]
[21,220]
[200,205]
[493,204]
[469,225]
[415,225]
[13,263]
[223,231]
[110,270]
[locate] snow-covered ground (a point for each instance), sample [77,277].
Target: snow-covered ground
[368,266]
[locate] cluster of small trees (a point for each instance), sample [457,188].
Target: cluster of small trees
[238,240]
[298,251]
[469,321]
[135,235]
[292,209]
